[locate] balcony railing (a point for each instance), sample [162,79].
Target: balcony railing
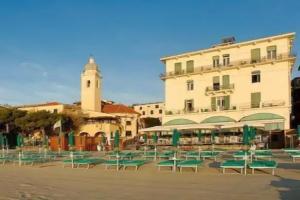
[237,63]
[244,106]
[219,88]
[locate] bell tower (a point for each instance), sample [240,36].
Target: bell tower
[91,87]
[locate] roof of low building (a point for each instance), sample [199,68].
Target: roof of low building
[118,108]
[54,103]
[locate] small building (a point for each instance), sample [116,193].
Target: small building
[53,107]
[128,118]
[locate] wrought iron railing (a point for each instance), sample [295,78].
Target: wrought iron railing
[243,62]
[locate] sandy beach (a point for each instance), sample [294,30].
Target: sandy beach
[52,181]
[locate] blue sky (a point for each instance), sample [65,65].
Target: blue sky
[45,44]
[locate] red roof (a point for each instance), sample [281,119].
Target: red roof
[117,108]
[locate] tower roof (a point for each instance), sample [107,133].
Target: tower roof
[91,65]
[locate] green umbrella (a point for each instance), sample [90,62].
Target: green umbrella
[117,139]
[199,135]
[298,130]
[20,140]
[213,136]
[145,138]
[1,140]
[71,139]
[175,138]
[155,138]
[246,135]
[45,141]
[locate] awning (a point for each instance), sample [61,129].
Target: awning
[156,129]
[242,124]
[179,127]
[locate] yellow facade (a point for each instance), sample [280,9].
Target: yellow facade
[53,108]
[273,62]
[150,110]
[91,87]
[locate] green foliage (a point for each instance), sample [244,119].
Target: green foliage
[8,116]
[37,121]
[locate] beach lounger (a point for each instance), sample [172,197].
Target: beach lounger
[263,154]
[166,163]
[294,155]
[150,154]
[132,163]
[83,161]
[241,154]
[189,164]
[290,150]
[263,164]
[111,163]
[209,154]
[193,155]
[233,164]
[166,155]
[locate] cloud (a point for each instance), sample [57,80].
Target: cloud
[35,68]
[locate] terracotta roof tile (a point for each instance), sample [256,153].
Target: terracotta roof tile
[118,108]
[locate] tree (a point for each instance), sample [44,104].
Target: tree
[8,117]
[40,120]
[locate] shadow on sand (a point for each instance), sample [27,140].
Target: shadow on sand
[287,188]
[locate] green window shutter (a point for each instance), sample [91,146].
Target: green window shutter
[271,48]
[178,68]
[213,103]
[255,55]
[255,99]
[190,66]
[216,79]
[226,81]
[226,102]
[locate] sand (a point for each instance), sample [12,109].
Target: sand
[52,181]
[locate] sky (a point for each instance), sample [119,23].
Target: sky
[44,44]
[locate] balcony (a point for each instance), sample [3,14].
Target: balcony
[232,108]
[211,90]
[233,64]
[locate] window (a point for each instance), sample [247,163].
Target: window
[128,134]
[143,113]
[255,55]
[189,105]
[222,103]
[216,83]
[226,82]
[216,61]
[190,85]
[55,111]
[178,69]
[151,112]
[271,52]
[226,59]
[141,108]
[88,83]
[160,111]
[128,123]
[190,66]
[156,106]
[255,100]
[255,76]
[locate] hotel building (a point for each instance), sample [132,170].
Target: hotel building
[231,82]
